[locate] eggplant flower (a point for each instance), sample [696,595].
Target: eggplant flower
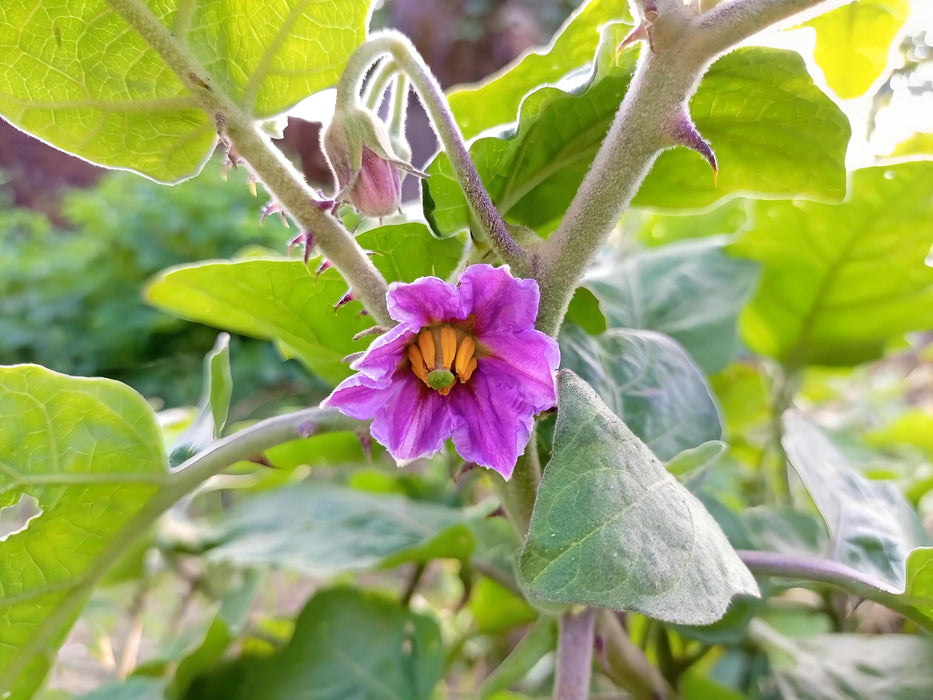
[464,361]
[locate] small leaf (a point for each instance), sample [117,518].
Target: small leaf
[611,528]
[89,451]
[853,43]
[209,423]
[347,644]
[839,281]
[692,290]
[100,92]
[873,526]
[322,530]
[649,382]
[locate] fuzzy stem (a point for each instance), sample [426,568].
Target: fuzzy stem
[836,574]
[626,664]
[667,75]
[574,655]
[275,171]
[518,494]
[376,86]
[220,455]
[399,109]
[435,104]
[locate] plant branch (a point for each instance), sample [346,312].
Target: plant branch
[449,134]
[518,493]
[625,664]
[835,574]
[191,474]
[281,178]
[574,655]
[733,21]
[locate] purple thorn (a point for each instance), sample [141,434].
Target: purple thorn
[323,266]
[464,468]
[307,429]
[366,442]
[685,133]
[270,208]
[345,299]
[305,239]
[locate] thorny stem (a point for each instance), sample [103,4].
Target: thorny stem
[435,104]
[266,161]
[666,77]
[836,574]
[574,655]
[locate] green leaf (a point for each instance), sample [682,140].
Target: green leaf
[852,666]
[853,43]
[873,526]
[347,644]
[78,76]
[611,528]
[919,591]
[138,688]
[649,382]
[774,132]
[286,301]
[841,281]
[655,229]
[328,530]
[693,291]
[89,451]
[497,101]
[209,423]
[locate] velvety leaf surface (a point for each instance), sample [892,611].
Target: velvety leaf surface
[89,451]
[611,528]
[773,131]
[860,667]
[649,382]
[853,42]
[873,526]
[692,291]
[286,301]
[322,530]
[840,281]
[78,76]
[347,644]
[496,101]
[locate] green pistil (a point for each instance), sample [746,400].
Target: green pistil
[440,379]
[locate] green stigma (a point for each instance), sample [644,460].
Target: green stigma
[440,379]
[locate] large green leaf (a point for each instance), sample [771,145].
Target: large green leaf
[840,281]
[347,644]
[612,528]
[496,101]
[89,451]
[691,291]
[649,382]
[322,530]
[853,42]
[851,666]
[774,133]
[286,301]
[78,76]
[873,526]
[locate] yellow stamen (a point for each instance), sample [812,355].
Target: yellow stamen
[464,354]
[426,345]
[448,346]
[468,372]
[446,390]
[417,363]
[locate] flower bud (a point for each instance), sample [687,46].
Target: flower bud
[369,173]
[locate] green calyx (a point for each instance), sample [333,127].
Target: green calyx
[440,379]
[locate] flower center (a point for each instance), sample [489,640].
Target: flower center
[441,355]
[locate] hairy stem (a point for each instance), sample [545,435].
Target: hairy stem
[668,73]
[835,574]
[625,664]
[435,104]
[518,494]
[574,655]
[275,171]
[377,84]
[191,474]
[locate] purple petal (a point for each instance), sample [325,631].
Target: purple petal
[385,353]
[500,302]
[413,421]
[491,423]
[424,301]
[360,396]
[526,361]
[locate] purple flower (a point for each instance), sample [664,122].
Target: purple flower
[464,361]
